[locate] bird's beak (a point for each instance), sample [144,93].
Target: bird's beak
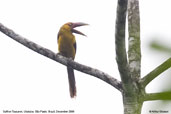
[74,25]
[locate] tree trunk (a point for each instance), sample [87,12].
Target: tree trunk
[131,105]
[133,98]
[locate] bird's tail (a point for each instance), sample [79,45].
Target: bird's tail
[71,79]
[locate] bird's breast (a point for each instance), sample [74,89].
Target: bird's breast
[66,45]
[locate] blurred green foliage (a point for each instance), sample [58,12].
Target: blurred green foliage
[164,49]
[157,45]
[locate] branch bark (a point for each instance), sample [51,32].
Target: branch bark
[121,56]
[158,96]
[156,72]
[63,60]
[134,44]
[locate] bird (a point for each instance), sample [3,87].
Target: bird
[67,48]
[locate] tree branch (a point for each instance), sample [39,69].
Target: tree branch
[158,96]
[63,60]
[121,56]
[134,43]
[153,74]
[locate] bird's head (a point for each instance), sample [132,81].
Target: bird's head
[70,27]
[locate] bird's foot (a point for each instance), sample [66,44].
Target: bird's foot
[60,54]
[70,58]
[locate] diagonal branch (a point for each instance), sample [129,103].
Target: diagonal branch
[63,60]
[134,49]
[153,74]
[121,56]
[158,96]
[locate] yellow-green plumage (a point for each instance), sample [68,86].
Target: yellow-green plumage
[67,48]
[66,43]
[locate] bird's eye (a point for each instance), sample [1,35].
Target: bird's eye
[70,24]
